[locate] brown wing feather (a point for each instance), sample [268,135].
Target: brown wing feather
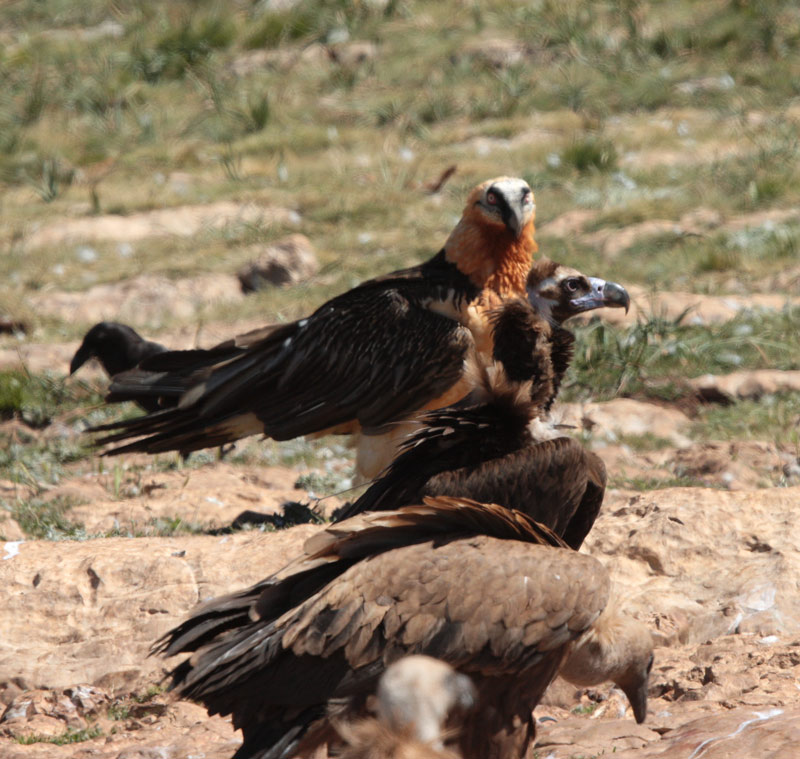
[555,482]
[330,552]
[588,508]
[510,619]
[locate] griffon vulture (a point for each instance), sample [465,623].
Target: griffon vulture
[481,587]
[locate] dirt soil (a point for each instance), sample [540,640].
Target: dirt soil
[713,570]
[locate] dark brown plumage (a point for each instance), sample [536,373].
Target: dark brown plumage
[557,293]
[374,355]
[118,348]
[481,587]
[494,448]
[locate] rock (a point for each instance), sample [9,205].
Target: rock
[87,612]
[347,54]
[751,384]
[689,685]
[764,733]
[183,221]
[287,261]
[146,301]
[53,712]
[734,465]
[11,493]
[742,544]
[10,530]
[706,84]
[624,416]
[177,730]
[103,30]
[614,736]
[351,54]
[280,58]
[497,52]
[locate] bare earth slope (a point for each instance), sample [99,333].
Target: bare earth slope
[715,573]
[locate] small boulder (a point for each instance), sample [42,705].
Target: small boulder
[285,262]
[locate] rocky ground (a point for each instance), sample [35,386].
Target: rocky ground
[713,570]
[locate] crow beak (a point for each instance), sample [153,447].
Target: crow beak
[603,294]
[83,354]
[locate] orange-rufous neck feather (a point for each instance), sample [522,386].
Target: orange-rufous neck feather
[491,256]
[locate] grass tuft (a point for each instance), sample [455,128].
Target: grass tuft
[591,154]
[46,519]
[655,357]
[70,736]
[37,399]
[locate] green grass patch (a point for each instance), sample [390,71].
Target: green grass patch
[772,418]
[655,357]
[38,462]
[38,399]
[70,736]
[45,519]
[589,154]
[149,693]
[119,712]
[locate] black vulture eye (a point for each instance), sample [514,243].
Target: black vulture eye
[491,198]
[571,285]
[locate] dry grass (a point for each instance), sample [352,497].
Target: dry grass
[638,110]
